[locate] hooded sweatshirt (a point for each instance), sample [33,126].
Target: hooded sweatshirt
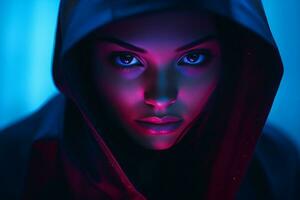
[69,150]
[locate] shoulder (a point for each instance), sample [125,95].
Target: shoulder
[45,121]
[280,159]
[50,110]
[278,154]
[16,141]
[274,172]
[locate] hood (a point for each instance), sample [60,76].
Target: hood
[241,105]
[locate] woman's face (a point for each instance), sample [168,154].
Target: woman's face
[157,72]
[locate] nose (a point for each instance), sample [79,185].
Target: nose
[161,103]
[161,91]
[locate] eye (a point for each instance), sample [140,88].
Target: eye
[195,58]
[125,60]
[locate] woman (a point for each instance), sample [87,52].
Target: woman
[160,100]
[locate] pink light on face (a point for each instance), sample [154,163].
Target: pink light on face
[160,94]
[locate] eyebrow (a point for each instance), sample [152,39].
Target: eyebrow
[141,50]
[123,44]
[196,42]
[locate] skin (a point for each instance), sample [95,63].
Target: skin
[158,84]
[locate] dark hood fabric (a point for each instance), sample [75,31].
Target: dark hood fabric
[230,130]
[98,161]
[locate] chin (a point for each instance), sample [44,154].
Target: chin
[163,147]
[157,141]
[158,146]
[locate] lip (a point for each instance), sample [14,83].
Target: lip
[160,125]
[160,120]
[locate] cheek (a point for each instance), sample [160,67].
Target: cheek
[116,87]
[195,95]
[195,90]
[121,97]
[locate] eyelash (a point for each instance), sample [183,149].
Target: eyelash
[205,53]
[116,55]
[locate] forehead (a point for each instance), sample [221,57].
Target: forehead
[176,27]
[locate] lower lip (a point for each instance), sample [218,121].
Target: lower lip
[160,128]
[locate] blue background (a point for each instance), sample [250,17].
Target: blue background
[26,47]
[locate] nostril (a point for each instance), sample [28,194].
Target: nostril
[160,103]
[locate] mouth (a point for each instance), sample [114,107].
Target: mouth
[160,125]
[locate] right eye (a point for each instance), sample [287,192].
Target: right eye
[125,60]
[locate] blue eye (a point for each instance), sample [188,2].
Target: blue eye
[195,58]
[126,60]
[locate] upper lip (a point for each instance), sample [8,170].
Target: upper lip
[160,120]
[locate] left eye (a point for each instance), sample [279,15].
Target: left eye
[194,58]
[126,60]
